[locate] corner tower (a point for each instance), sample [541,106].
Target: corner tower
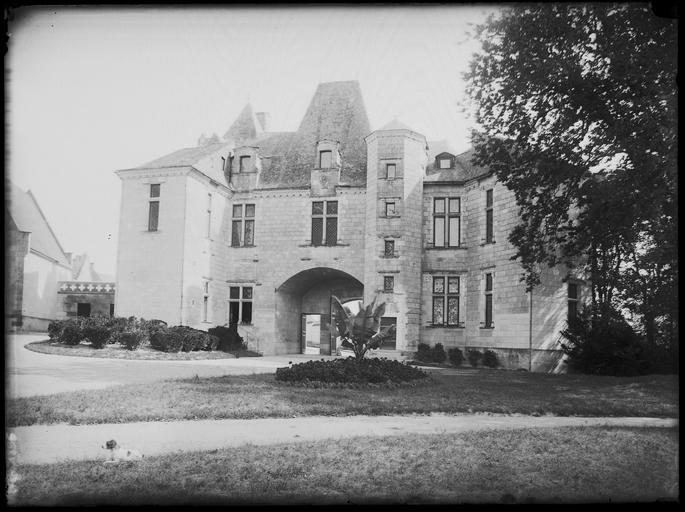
[396,164]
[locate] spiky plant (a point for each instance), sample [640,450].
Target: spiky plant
[361,332]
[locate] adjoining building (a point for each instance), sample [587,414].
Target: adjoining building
[260,228]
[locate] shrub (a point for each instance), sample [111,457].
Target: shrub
[490,359]
[229,338]
[438,353]
[95,330]
[71,334]
[607,346]
[166,340]
[117,325]
[350,371]
[55,329]
[424,353]
[456,356]
[132,339]
[474,357]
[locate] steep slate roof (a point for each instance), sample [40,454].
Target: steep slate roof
[395,124]
[336,112]
[27,215]
[464,169]
[183,157]
[245,127]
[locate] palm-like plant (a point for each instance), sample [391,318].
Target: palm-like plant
[361,332]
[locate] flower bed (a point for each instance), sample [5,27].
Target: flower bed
[350,371]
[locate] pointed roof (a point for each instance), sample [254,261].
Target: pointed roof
[336,112]
[245,127]
[23,209]
[395,124]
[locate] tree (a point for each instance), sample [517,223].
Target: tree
[577,105]
[362,331]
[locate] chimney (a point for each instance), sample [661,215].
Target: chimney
[264,120]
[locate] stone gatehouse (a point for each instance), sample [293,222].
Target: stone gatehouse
[261,228]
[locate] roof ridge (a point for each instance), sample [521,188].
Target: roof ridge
[35,201]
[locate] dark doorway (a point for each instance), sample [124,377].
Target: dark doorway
[83,309]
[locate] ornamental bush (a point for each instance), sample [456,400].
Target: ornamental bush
[456,356]
[424,353]
[490,359]
[474,357]
[132,338]
[70,333]
[350,371]
[55,329]
[166,340]
[438,353]
[229,338]
[96,330]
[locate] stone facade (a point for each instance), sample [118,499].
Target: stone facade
[262,228]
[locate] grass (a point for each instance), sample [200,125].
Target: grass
[116,351]
[260,396]
[564,465]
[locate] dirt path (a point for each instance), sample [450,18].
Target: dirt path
[41,444]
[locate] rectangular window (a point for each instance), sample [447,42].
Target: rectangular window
[325,159]
[488,301]
[391,171]
[572,301]
[324,223]
[205,300]
[242,225]
[446,300]
[388,283]
[153,216]
[445,163]
[223,163]
[389,250]
[489,217]
[244,164]
[111,310]
[154,190]
[240,305]
[390,209]
[446,222]
[209,215]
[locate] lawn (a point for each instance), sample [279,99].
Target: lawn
[562,465]
[260,396]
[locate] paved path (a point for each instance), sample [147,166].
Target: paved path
[42,444]
[31,373]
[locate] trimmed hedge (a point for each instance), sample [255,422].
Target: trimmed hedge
[132,339]
[490,359]
[474,357]
[229,338]
[424,353]
[350,371]
[456,356]
[70,333]
[438,353]
[166,340]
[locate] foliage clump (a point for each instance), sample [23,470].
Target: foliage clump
[166,340]
[456,356]
[438,353]
[424,353]
[229,338]
[362,331]
[490,359]
[350,371]
[474,356]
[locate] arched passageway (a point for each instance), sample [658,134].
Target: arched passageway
[303,308]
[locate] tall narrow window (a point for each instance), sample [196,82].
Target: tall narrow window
[240,305]
[389,250]
[223,163]
[488,301]
[324,222]
[205,300]
[325,159]
[446,300]
[488,217]
[572,301]
[242,225]
[209,215]
[391,171]
[446,222]
[244,164]
[389,343]
[388,283]
[153,211]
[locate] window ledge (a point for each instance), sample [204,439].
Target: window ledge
[488,328]
[385,256]
[441,326]
[339,244]
[455,248]
[242,246]
[152,231]
[487,243]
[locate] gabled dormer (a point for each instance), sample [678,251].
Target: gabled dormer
[328,155]
[445,160]
[243,167]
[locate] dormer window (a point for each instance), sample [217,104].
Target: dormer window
[244,164]
[444,161]
[325,159]
[391,171]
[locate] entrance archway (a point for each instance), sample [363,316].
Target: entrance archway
[303,308]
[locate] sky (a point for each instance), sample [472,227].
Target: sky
[93,90]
